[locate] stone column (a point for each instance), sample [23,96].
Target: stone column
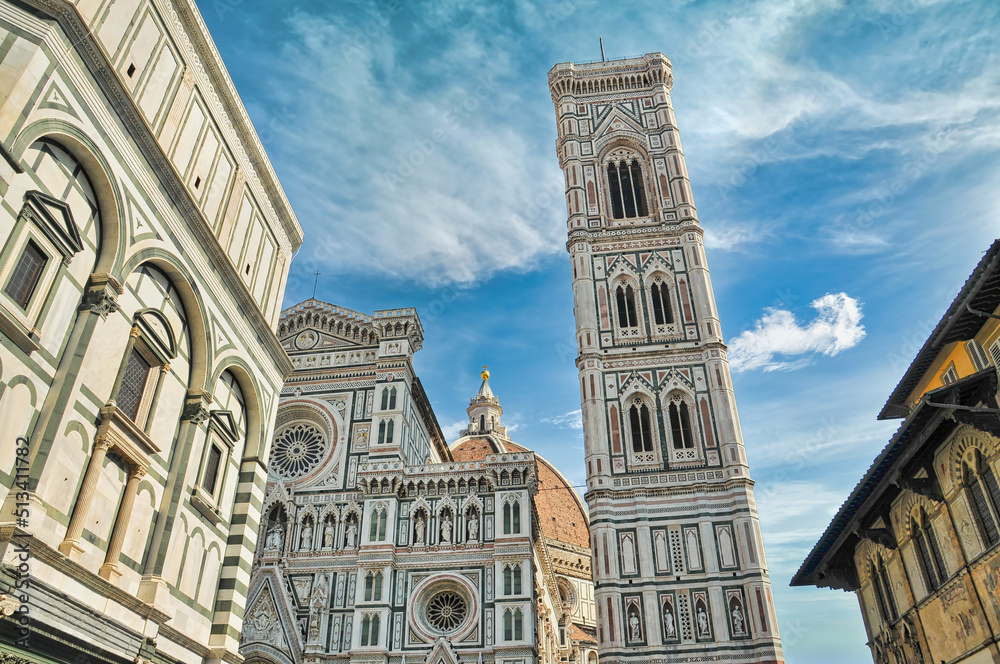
[70,546]
[109,570]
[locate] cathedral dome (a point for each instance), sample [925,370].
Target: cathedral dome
[561,513]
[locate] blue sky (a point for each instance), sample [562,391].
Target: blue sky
[844,159]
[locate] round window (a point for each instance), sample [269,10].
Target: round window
[447,610]
[297,450]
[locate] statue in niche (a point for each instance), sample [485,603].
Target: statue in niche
[328,532]
[737,620]
[703,623]
[305,543]
[352,535]
[668,622]
[473,527]
[419,529]
[446,530]
[273,540]
[633,624]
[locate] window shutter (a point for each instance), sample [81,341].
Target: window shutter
[977,354]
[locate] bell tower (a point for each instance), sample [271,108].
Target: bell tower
[678,560]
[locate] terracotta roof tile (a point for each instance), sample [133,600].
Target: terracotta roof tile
[577,634]
[560,511]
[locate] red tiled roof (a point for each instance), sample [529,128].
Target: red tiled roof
[560,510]
[473,449]
[577,634]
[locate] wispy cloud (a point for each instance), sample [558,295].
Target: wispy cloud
[452,430]
[571,420]
[836,328]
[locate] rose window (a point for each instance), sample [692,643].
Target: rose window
[447,610]
[297,451]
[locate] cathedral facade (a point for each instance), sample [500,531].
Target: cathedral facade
[678,561]
[381,543]
[144,247]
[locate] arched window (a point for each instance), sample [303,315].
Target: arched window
[625,296]
[642,431]
[381,432]
[369,630]
[662,314]
[680,425]
[482,423]
[376,532]
[883,591]
[388,432]
[981,484]
[512,518]
[392,399]
[385,398]
[931,562]
[508,625]
[628,195]
[512,580]
[518,622]
[373,586]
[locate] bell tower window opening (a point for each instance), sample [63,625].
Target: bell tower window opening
[628,195]
[662,314]
[642,434]
[625,296]
[680,425]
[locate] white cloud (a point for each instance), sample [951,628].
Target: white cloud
[571,420]
[730,238]
[836,328]
[388,176]
[452,430]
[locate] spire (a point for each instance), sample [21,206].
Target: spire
[484,390]
[484,410]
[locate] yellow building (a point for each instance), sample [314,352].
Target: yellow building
[917,539]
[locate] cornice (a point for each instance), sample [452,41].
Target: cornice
[84,44]
[191,23]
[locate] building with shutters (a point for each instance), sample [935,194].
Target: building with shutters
[144,247]
[917,540]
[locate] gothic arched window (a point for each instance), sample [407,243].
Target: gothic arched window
[929,554]
[625,296]
[369,630]
[883,591]
[661,304]
[680,425]
[385,398]
[513,625]
[388,432]
[628,195]
[482,423]
[381,432]
[512,580]
[512,518]
[981,484]
[642,431]
[392,399]
[376,532]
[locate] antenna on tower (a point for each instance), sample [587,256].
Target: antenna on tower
[603,59]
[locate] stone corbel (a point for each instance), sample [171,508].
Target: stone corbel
[925,486]
[196,406]
[101,296]
[881,536]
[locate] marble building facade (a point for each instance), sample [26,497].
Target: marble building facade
[144,247]
[678,560]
